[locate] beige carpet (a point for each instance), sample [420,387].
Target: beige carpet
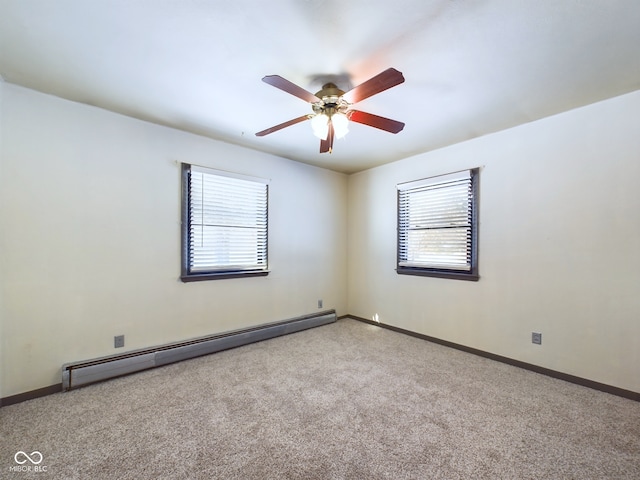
[343,401]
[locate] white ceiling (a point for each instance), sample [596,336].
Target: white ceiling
[472,67]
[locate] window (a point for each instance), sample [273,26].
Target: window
[224,225]
[437,226]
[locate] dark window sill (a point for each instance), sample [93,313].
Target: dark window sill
[197,277]
[425,272]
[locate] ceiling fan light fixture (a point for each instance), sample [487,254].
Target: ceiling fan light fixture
[320,125]
[340,124]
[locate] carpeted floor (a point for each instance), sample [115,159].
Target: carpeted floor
[343,401]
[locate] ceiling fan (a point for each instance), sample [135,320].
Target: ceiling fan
[332,107]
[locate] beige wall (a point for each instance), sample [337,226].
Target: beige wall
[559,245]
[90,239]
[90,244]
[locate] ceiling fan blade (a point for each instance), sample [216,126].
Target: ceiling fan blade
[289,87]
[381,82]
[282,125]
[327,144]
[372,120]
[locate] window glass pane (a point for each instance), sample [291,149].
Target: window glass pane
[227,224]
[436,223]
[442,248]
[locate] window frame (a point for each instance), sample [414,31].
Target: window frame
[471,274]
[187,274]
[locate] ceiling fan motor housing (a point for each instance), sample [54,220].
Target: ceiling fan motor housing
[331,100]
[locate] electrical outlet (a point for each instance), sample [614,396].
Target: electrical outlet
[536,338]
[118,341]
[320,303]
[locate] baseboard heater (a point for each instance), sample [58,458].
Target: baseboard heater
[79,374]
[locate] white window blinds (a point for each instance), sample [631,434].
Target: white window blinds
[436,223]
[227,222]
